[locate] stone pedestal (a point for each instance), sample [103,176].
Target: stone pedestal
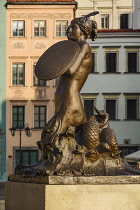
[29,196]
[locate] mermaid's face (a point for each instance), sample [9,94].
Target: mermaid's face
[73,32]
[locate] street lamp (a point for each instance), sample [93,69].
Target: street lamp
[27,132]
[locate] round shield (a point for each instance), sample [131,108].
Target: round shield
[57,59]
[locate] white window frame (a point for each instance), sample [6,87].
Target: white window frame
[104,16]
[16,62]
[45,28]
[61,21]
[12,32]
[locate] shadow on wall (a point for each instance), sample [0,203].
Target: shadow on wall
[3,141]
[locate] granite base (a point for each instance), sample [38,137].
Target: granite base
[29,196]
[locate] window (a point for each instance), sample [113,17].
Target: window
[127,141]
[93,63]
[89,107]
[105,21]
[132,62]
[18,28]
[18,74]
[56,81]
[126,150]
[111,62]
[36,81]
[39,116]
[61,27]
[111,108]
[28,157]
[18,116]
[132,109]
[40,28]
[124,21]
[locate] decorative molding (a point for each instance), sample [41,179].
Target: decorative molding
[131,94]
[112,46]
[34,101]
[124,7]
[18,57]
[100,8]
[40,45]
[18,45]
[18,101]
[40,15]
[40,94]
[18,94]
[89,95]
[111,93]
[134,46]
[29,16]
[35,57]
[62,15]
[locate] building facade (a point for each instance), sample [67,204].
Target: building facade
[31,29]
[113,84]
[2,90]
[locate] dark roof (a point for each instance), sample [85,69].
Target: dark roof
[40,1]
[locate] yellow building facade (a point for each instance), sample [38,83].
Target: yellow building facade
[31,28]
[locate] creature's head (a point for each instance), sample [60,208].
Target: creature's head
[102,118]
[87,27]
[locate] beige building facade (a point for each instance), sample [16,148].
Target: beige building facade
[30,30]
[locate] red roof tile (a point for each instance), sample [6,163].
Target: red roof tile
[117,30]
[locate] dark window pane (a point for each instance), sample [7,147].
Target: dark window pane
[93,63]
[111,64]
[18,71]
[37,82]
[39,116]
[132,62]
[131,109]
[105,21]
[61,27]
[18,28]
[39,28]
[89,108]
[111,109]
[124,21]
[25,157]
[127,150]
[18,116]
[28,157]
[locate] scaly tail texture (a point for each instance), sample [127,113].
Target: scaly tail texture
[108,135]
[90,137]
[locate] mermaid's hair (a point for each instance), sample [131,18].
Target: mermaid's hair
[88,27]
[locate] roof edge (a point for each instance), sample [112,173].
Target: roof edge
[41,3]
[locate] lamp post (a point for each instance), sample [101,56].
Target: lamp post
[1,133]
[27,132]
